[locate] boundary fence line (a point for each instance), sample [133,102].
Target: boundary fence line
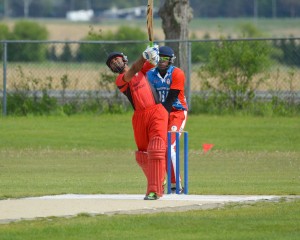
[188,70]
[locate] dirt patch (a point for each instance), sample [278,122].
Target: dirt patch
[69,205]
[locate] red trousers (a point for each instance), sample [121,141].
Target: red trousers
[150,133]
[149,123]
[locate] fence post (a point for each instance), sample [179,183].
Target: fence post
[188,75]
[4,78]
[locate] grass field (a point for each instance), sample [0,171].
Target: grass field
[95,154]
[47,155]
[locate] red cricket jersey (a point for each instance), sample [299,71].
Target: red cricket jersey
[139,91]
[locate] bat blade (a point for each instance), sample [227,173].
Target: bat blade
[150,21]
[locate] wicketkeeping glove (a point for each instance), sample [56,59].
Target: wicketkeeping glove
[151,54]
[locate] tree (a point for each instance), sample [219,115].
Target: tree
[27,30]
[232,71]
[4,31]
[98,52]
[175,15]
[66,55]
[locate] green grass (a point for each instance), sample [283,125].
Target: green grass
[104,132]
[95,154]
[84,154]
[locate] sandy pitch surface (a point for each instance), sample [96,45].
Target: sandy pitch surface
[69,205]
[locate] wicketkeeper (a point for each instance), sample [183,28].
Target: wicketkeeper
[150,118]
[169,81]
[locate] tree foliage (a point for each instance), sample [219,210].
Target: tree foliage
[4,32]
[290,49]
[98,52]
[232,73]
[27,30]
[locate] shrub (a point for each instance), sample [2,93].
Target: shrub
[231,69]
[31,95]
[66,55]
[26,30]
[201,49]
[4,32]
[4,35]
[98,53]
[25,97]
[290,52]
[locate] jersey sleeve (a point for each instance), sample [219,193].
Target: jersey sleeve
[121,84]
[147,66]
[178,79]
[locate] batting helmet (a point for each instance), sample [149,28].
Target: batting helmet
[115,54]
[167,51]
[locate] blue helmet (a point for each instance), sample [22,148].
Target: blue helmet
[167,51]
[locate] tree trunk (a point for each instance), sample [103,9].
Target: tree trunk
[175,15]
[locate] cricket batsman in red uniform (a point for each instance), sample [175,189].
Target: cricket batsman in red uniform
[150,118]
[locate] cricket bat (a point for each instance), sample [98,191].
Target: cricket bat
[150,21]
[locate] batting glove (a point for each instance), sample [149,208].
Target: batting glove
[151,54]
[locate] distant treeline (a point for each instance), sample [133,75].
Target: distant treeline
[286,50]
[208,9]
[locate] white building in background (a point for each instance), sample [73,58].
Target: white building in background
[80,15]
[127,13]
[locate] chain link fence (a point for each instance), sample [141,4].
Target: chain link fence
[74,73]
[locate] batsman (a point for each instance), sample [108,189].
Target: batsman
[150,118]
